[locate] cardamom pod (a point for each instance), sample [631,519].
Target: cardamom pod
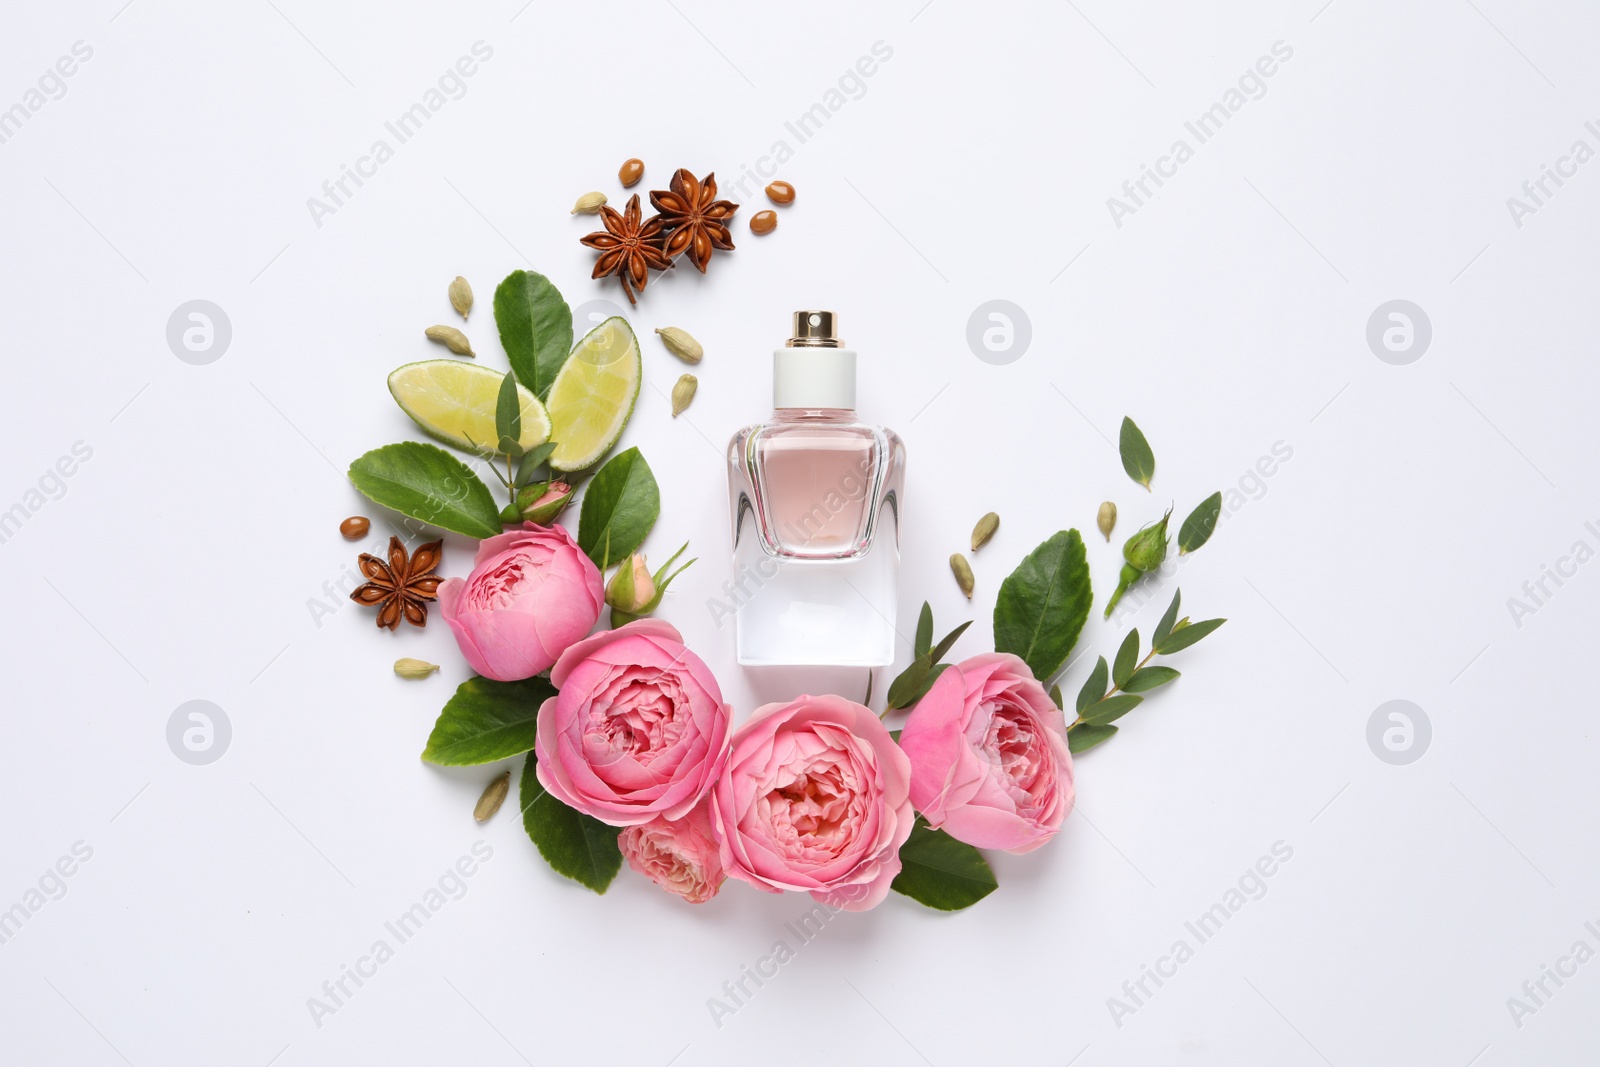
[461,296]
[680,344]
[589,204]
[494,795]
[451,338]
[963,572]
[1107,519]
[406,667]
[683,393]
[984,530]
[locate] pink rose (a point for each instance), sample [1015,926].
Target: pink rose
[816,797]
[680,857]
[531,594]
[638,728]
[989,758]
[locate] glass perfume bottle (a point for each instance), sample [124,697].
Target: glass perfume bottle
[815,496]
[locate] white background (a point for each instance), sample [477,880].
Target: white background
[1226,315]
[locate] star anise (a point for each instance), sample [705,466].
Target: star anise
[695,220]
[628,247]
[401,586]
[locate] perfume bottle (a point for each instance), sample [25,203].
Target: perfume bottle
[815,497]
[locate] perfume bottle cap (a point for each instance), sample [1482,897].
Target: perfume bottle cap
[812,370]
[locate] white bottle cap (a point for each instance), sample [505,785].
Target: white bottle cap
[812,370]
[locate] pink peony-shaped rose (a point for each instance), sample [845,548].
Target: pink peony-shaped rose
[680,857]
[531,594]
[816,797]
[989,758]
[638,728]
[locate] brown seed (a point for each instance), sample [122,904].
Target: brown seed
[493,796]
[984,530]
[451,338]
[764,222]
[631,172]
[1106,519]
[683,393]
[355,527]
[963,572]
[780,193]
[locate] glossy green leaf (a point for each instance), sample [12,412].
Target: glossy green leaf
[535,328]
[576,845]
[1137,459]
[1094,686]
[619,508]
[1147,678]
[1184,636]
[1198,527]
[1083,737]
[1042,605]
[486,721]
[924,639]
[1127,659]
[429,484]
[1111,708]
[941,872]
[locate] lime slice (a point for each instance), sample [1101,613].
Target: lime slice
[593,395]
[455,402]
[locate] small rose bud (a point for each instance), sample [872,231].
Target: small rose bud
[632,588]
[1144,551]
[540,502]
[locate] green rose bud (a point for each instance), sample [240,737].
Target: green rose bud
[1144,551]
[631,590]
[540,502]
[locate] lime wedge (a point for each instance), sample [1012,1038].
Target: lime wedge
[455,402]
[593,395]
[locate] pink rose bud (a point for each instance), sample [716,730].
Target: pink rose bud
[532,593]
[637,730]
[815,798]
[989,758]
[631,588]
[680,857]
[540,503]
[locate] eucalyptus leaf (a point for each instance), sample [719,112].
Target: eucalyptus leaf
[1198,527]
[924,639]
[576,845]
[535,328]
[1083,737]
[1185,636]
[619,508]
[1127,659]
[1164,627]
[532,461]
[1042,605]
[941,872]
[1111,708]
[508,416]
[908,683]
[1055,695]
[1137,459]
[1094,686]
[1147,678]
[947,642]
[486,721]
[429,484]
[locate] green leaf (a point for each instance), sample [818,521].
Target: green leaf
[1184,636]
[508,416]
[941,872]
[913,683]
[619,508]
[486,721]
[1094,686]
[1111,708]
[427,483]
[924,640]
[576,845]
[1197,528]
[1137,459]
[1083,737]
[1164,627]
[947,642]
[1127,658]
[1042,605]
[1147,678]
[532,461]
[535,328]
[1055,694]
